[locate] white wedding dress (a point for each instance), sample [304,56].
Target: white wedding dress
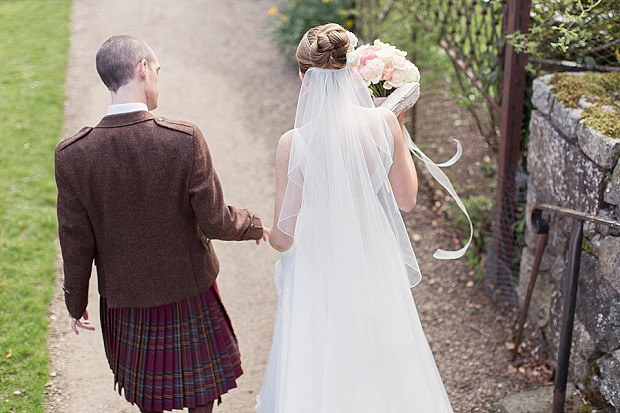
[347,337]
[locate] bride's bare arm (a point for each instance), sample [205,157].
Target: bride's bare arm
[279,240]
[403,176]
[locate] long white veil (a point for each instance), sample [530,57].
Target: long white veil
[347,336]
[338,203]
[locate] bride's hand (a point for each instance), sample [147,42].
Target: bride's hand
[81,323]
[265,237]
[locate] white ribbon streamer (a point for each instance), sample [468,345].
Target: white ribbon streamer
[444,181]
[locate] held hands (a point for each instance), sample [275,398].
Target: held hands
[265,237]
[81,323]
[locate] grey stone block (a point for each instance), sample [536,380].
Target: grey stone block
[537,310]
[612,191]
[561,169]
[589,229]
[608,250]
[525,268]
[600,148]
[541,95]
[566,120]
[531,200]
[608,378]
[582,350]
[612,214]
[552,328]
[533,401]
[570,165]
[538,400]
[598,305]
[559,235]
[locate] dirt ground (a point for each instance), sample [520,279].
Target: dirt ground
[220,71]
[467,331]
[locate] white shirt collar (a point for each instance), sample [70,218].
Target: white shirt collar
[126,108]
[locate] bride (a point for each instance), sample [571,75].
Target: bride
[347,336]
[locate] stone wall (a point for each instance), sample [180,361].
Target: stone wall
[573,166]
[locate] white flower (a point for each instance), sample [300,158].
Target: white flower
[385,54]
[353,55]
[378,42]
[397,79]
[351,59]
[372,70]
[412,74]
[399,61]
[352,40]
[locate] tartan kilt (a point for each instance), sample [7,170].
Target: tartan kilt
[182,354]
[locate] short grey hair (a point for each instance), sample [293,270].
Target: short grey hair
[118,57]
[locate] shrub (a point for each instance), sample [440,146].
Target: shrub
[480,209]
[293,18]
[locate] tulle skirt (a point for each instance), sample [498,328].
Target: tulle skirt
[328,357]
[182,354]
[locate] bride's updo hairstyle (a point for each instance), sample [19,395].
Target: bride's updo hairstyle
[324,47]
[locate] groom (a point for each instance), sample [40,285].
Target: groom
[138,195]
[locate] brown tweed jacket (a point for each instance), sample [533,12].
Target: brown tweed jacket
[139,196]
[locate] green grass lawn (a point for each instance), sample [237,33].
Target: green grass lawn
[34,39]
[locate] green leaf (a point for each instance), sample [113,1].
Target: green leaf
[590,62]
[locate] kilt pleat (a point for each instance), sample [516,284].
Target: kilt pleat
[182,354]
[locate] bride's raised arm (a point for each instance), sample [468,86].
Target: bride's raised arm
[403,177]
[278,239]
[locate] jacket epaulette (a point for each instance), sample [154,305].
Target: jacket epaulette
[176,125]
[74,138]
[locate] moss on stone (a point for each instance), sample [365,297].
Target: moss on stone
[586,246]
[601,91]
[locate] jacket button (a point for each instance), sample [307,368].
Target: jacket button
[160,119]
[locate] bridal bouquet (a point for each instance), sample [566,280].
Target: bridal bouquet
[395,84]
[383,67]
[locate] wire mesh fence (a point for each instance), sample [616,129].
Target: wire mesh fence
[470,33]
[476,35]
[486,43]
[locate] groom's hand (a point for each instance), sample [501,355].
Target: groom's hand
[81,323]
[265,235]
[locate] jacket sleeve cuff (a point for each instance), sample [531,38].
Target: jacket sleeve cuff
[76,300]
[255,229]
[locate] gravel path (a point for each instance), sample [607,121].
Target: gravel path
[220,71]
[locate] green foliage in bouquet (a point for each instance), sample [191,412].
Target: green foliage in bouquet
[293,18]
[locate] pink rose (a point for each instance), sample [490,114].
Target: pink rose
[387,73]
[372,70]
[397,79]
[367,55]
